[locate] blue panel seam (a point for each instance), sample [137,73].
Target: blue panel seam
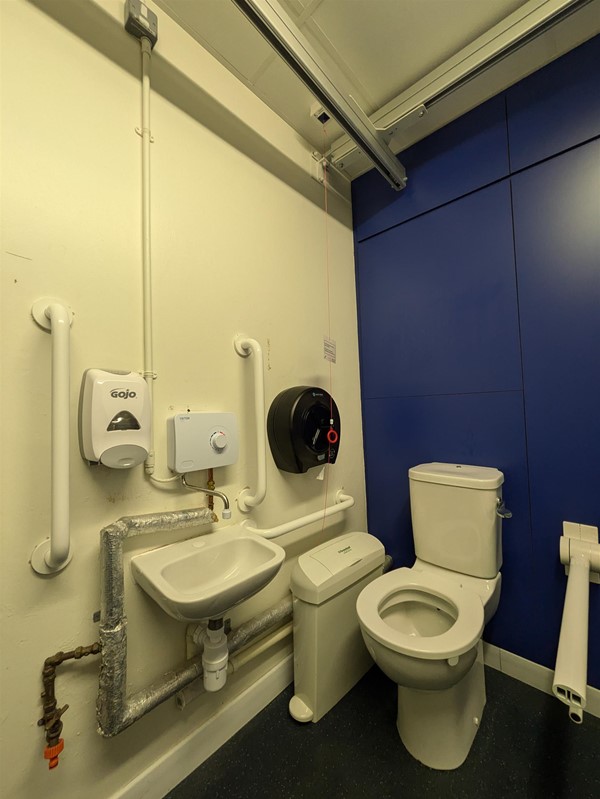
[450,394]
[526,442]
[479,188]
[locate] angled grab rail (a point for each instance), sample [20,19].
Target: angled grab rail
[54,553]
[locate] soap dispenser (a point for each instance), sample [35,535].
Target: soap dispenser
[114,418]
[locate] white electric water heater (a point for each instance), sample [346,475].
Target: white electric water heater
[114,418]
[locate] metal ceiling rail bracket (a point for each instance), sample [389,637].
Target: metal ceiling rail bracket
[506,40]
[407,120]
[326,173]
[271,21]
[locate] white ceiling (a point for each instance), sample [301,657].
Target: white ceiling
[380,47]
[376,50]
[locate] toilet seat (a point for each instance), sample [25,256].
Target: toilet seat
[462,635]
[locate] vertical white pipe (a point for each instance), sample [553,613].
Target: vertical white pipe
[54,553]
[244,347]
[146,244]
[570,675]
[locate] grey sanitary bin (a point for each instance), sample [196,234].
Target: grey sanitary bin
[329,654]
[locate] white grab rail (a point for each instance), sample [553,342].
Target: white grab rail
[244,346]
[342,501]
[54,553]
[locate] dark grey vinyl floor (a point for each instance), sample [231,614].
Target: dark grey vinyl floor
[526,747]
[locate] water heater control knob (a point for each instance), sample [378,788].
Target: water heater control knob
[218,441]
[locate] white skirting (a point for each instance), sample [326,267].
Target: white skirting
[533,674]
[181,760]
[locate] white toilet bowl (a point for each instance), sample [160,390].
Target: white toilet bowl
[423,627]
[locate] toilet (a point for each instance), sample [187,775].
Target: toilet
[422,626]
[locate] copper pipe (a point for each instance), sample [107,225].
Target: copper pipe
[211,485]
[51,720]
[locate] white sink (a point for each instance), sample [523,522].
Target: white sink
[202,578]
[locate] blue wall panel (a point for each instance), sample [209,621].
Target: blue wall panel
[555,108]
[438,306]
[469,153]
[445,337]
[557,235]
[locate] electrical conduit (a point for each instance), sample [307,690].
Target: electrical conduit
[148,372]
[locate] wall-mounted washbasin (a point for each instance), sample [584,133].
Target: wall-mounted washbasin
[204,577]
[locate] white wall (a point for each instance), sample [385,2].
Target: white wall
[238,247]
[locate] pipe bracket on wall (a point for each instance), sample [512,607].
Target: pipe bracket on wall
[54,553]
